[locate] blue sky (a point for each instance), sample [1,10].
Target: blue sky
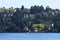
[31,36]
[29,3]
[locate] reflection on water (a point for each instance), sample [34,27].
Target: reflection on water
[30,36]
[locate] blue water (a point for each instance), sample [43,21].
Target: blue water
[29,36]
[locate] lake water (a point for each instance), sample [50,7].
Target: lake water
[29,36]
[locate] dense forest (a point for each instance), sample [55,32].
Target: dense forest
[35,19]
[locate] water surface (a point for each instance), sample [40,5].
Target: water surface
[29,36]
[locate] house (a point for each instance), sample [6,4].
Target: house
[32,16]
[26,16]
[49,26]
